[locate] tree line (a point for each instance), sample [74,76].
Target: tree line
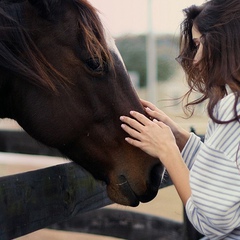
[133,51]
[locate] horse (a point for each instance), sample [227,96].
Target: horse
[63,80]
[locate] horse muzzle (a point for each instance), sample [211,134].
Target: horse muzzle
[131,193]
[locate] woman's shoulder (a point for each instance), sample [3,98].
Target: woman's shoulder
[225,108]
[224,138]
[229,101]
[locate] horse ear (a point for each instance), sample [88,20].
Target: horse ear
[45,8]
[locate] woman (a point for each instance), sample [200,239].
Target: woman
[206,175]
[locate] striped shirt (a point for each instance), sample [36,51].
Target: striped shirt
[214,205]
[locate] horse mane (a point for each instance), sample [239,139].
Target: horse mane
[33,66]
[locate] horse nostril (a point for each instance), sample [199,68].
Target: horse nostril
[153,183]
[156,176]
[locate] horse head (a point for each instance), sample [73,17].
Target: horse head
[64,81]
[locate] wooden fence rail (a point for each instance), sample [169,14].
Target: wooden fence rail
[37,199]
[123,224]
[58,197]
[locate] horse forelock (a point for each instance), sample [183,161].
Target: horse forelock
[93,32]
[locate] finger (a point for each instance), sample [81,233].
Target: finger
[133,142]
[159,123]
[132,123]
[159,115]
[140,117]
[147,104]
[132,132]
[153,114]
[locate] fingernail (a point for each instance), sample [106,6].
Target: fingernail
[148,109]
[121,117]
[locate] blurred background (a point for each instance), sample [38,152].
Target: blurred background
[147,35]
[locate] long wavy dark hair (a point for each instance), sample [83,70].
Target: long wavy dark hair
[219,23]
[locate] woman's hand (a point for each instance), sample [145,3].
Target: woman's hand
[179,133]
[153,137]
[156,139]
[156,113]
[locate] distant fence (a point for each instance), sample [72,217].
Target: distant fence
[49,198]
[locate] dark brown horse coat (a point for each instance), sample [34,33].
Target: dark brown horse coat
[63,80]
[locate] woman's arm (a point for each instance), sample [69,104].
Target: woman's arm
[156,139]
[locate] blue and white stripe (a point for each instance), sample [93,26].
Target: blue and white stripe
[214,206]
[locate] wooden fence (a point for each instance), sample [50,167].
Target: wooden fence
[67,197]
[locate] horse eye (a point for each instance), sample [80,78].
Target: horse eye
[94,64]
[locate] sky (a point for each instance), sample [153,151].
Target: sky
[124,17]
